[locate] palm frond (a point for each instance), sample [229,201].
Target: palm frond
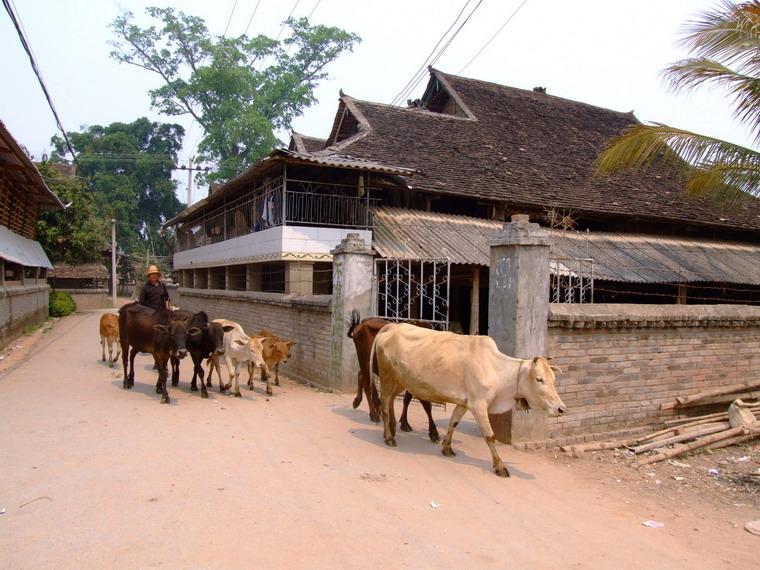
[709,163]
[729,33]
[688,74]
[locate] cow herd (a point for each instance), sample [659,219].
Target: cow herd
[169,336]
[434,366]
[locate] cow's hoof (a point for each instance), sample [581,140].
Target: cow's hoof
[175,382]
[501,472]
[269,391]
[165,400]
[356,402]
[448,452]
[405,427]
[276,382]
[374,417]
[110,365]
[250,387]
[158,390]
[390,442]
[208,383]
[434,437]
[204,394]
[193,388]
[238,394]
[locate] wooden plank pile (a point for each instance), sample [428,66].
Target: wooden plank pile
[738,424]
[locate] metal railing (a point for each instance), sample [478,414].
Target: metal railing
[305,203]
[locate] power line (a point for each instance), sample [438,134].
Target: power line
[230,18]
[282,28]
[251,18]
[444,48]
[485,45]
[314,9]
[424,63]
[37,72]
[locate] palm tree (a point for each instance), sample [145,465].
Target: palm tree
[726,46]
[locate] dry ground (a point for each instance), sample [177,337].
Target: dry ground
[94,476]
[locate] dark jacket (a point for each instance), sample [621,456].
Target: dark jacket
[154,296]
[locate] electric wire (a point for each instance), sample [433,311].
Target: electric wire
[485,45]
[27,48]
[443,49]
[424,63]
[251,18]
[230,18]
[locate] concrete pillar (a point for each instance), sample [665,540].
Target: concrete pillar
[518,311]
[352,289]
[299,277]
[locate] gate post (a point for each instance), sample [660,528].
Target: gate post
[518,310]
[352,289]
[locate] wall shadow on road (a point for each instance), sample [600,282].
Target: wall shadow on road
[417,442]
[146,389]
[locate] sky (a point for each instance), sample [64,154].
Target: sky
[607,53]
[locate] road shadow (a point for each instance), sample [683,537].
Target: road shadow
[417,442]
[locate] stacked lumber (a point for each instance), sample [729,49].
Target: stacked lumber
[747,390]
[736,425]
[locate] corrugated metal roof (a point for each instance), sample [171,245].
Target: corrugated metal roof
[638,258]
[21,250]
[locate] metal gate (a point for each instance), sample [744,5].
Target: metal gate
[413,289]
[572,280]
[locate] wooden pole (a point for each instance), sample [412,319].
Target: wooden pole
[681,437]
[684,400]
[701,442]
[475,301]
[113,262]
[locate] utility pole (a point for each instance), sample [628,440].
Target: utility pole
[113,261]
[190,169]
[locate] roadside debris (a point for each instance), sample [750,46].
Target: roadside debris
[653,524]
[434,504]
[753,527]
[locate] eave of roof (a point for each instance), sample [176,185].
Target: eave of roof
[13,156]
[625,257]
[322,158]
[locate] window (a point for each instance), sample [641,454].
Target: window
[217,277]
[322,278]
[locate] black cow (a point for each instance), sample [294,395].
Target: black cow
[205,340]
[146,330]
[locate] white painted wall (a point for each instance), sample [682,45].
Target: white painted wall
[268,245]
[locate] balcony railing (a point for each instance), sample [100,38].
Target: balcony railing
[276,204]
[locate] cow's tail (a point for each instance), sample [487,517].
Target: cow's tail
[353,322]
[375,378]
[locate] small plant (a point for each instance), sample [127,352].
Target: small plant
[61,304]
[29,329]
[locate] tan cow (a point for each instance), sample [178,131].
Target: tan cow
[109,335]
[276,351]
[468,371]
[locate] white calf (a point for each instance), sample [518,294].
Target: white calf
[239,350]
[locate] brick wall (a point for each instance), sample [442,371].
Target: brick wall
[21,306]
[302,318]
[620,362]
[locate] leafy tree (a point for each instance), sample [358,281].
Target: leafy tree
[725,43]
[223,83]
[77,234]
[129,167]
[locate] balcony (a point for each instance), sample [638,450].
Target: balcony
[297,203]
[295,219]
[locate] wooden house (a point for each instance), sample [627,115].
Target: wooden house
[23,263]
[428,183]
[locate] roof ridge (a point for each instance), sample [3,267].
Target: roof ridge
[531,93]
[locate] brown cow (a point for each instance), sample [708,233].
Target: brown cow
[109,335]
[276,350]
[146,330]
[363,333]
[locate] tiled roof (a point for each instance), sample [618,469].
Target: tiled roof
[21,170]
[525,148]
[413,234]
[84,271]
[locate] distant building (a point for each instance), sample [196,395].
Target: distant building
[23,263]
[86,283]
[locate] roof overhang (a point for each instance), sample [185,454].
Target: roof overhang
[23,173]
[623,257]
[284,156]
[21,250]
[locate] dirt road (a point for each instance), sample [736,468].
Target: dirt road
[94,476]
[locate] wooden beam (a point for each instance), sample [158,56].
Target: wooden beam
[475,301]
